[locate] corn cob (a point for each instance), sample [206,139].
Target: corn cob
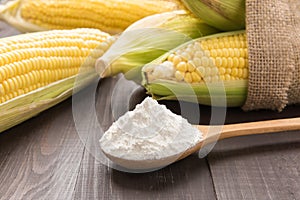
[110,16]
[220,59]
[147,39]
[38,70]
[227,15]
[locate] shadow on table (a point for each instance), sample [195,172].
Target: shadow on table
[233,115]
[267,144]
[191,168]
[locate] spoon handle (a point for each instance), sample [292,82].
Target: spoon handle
[261,127]
[242,129]
[210,134]
[249,128]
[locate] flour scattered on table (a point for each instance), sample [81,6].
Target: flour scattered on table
[149,132]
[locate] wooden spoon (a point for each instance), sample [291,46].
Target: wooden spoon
[227,131]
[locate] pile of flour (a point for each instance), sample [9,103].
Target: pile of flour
[149,132]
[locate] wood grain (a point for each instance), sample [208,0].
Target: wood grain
[260,167]
[42,158]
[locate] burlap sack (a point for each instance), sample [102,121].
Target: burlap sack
[273,31]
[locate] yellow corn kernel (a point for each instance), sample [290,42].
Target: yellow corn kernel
[182,66]
[240,73]
[234,72]
[179,76]
[197,62]
[176,60]
[205,61]
[222,77]
[201,71]
[190,66]
[195,77]
[235,61]
[230,62]
[228,77]
[218,62]
[171,57]
[207,71]
[213,53]
[214,71]
[222,70]
[231,52]
[188,77]
[2,91]
[226,52]
[224,62]
[236,52]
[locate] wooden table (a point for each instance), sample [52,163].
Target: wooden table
[44,158]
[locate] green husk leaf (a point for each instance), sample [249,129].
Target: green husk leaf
[235,91]
[148,39]
[226,15]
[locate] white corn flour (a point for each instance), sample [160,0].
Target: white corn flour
[149,132]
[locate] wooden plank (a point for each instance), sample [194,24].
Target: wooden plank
[257,167]
[40,158]
[187,179]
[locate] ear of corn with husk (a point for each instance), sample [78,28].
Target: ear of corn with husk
[111,16]
[148,39]
[227,15]
[215,66]
[38,70]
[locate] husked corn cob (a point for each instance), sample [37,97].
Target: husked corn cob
[31,61]
[38,70]
[111,16]
[217,59]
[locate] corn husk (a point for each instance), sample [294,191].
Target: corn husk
[226,15]
[148,39]
[231,93]
[28,105]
